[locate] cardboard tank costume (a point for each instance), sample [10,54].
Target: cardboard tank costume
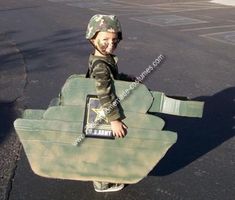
[72,139]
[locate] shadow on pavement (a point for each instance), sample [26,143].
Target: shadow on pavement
[197,137]
[7,117]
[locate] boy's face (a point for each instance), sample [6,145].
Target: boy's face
[106,42]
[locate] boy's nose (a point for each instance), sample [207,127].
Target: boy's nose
[114,43]
[111,43]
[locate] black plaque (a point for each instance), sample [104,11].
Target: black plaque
[95,123]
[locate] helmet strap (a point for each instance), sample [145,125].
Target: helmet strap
[96,48]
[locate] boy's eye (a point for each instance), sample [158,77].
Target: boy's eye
[113,40]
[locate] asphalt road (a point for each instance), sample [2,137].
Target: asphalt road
[43,42]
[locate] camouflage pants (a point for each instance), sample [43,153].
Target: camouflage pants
[101,185]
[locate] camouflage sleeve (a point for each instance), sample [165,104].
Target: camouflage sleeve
[105,91]
[125,77]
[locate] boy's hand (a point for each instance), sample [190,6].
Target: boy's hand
[119,128]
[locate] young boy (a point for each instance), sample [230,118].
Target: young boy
[104,33]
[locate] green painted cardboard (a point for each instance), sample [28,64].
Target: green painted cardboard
[52,138]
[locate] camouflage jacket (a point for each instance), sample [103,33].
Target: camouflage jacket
[104,75]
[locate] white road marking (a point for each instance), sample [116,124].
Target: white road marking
[227,37]
[154,14]
[168,20]
[122,6]
[208,27]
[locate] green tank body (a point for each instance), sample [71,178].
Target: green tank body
[55,146]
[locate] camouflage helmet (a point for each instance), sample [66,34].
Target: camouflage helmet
[107,23]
